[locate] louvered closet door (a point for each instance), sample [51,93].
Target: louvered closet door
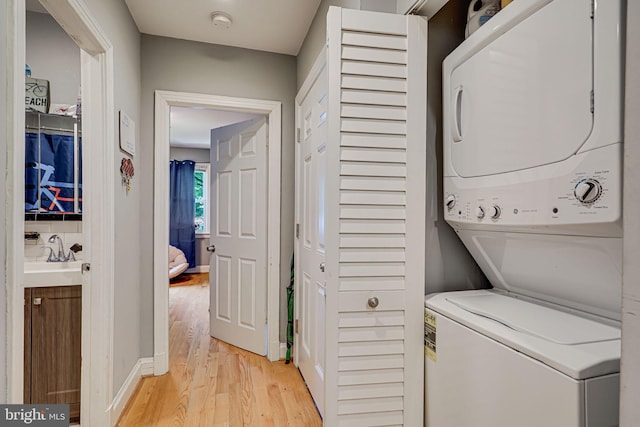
[375,203]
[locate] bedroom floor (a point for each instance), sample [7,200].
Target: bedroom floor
[211,383]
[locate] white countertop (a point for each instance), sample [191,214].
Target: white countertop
[42,274]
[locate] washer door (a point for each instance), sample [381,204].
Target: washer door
[524,100]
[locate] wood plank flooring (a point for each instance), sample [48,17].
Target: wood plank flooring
[211,383]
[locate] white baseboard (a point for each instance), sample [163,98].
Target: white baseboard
[283,350]
[198,269]
[141,368]
[146,366]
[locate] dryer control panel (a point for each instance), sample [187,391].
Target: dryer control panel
[582,194]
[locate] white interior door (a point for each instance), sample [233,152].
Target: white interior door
[238,269]
[310,280]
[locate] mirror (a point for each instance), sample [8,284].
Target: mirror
[53,165]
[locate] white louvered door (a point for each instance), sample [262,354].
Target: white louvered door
[375,213]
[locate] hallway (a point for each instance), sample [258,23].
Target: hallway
[211,383]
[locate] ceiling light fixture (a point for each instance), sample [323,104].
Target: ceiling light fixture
[221,20]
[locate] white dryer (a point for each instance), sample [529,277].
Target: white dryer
[533,187]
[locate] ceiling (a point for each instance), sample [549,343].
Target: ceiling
[191,127]
[278,26]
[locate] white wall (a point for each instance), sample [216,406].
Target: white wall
[3,202]
[630,382]
[54,56]
[185,66]
[115,20]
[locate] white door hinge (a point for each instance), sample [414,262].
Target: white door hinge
[297,231]
[295,326]
[592,102]
[297,134]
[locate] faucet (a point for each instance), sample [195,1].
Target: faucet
[51,257]
[61,256]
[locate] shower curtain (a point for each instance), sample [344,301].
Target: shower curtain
[50,158]
[182,233]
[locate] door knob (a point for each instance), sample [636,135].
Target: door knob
[211,248]
[373,302]
[322,267]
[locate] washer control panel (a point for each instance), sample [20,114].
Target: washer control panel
[563,194]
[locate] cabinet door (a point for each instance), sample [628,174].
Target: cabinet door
[56,315]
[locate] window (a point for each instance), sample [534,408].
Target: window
[201,193]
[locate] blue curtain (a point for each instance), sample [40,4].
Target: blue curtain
[182,232]
[50,158]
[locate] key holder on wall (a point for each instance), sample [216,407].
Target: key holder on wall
[126,171]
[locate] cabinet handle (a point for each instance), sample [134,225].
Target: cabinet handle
[37,301]
[373,302]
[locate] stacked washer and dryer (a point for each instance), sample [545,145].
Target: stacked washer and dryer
[533,112]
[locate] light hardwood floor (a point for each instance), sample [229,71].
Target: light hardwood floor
[211,383]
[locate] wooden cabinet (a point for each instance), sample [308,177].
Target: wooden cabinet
[52,353]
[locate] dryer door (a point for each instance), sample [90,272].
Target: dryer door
[524,100]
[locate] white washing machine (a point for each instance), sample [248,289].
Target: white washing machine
[533,187]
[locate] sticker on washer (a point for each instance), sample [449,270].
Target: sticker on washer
[430,335]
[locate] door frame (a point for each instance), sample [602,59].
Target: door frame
[99,213]
[164,100]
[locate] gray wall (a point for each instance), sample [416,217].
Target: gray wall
[115,20]
[54,56]
[388,6]
[184,66]
[317,34]
[629,408]
[198,155]
[3,202]
[448,266]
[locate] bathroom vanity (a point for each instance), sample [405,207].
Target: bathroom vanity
[52,345]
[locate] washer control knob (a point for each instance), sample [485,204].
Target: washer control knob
[450,201]
[588,191]
[479,212]
[495,211]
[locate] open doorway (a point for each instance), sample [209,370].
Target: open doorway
[98,214]
[165,102]
[194,216]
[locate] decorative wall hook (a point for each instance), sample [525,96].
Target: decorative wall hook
[127,171]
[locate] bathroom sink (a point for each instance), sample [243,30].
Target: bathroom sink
[37,274]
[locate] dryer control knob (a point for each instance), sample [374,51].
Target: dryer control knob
[450,201]
[479,212]
[588,191]
[495,211]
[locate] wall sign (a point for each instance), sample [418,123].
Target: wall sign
[127,134]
